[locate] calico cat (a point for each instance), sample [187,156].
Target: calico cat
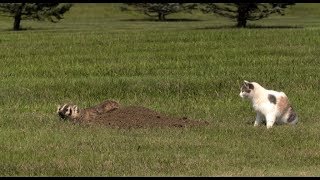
[75,114]
[271,106]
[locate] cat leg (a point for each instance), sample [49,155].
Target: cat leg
[270,118]
[258,120]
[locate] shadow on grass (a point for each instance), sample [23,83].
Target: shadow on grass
[10,29]
[33,29]
[20,30]
[170,20]
[167,20]
[251,27]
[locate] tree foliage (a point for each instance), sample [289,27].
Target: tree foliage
[242,12]
[35,11]
[159,10]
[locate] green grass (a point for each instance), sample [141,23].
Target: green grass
[186,68]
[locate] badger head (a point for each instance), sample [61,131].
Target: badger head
[68,111]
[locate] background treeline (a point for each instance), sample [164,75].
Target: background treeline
[240,12]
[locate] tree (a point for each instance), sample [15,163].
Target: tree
[159,10]
[37,11]
[242,12]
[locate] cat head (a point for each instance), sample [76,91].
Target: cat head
[68,111]
[247,89]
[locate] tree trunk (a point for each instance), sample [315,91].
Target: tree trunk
[16,23]
[161,17]
[17,18]
[241,22]
[242,16]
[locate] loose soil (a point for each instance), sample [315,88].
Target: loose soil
[141,117]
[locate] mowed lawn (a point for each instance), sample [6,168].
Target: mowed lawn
[192,68]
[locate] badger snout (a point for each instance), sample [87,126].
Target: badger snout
[62,115]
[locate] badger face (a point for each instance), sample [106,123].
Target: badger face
[68,111]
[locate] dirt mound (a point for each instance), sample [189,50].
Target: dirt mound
[139,117]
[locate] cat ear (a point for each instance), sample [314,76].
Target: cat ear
[250,86]
[245,83]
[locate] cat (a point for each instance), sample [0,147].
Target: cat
[271,106]
[75,114]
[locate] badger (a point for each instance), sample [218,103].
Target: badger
[74,113]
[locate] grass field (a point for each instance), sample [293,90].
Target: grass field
[180,68]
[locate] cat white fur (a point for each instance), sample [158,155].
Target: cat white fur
[271,106]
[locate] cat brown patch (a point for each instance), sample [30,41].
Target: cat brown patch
[283,104]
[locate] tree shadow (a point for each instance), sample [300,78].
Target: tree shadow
[167,20]
[33,29]
[25,28]
[251,27]
[274,27]
[10,29]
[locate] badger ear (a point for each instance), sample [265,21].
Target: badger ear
[58,108]
[75,108]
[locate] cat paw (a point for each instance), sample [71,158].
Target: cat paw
[268,127]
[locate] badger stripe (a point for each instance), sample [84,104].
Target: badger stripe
[63,106]
[70,112]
